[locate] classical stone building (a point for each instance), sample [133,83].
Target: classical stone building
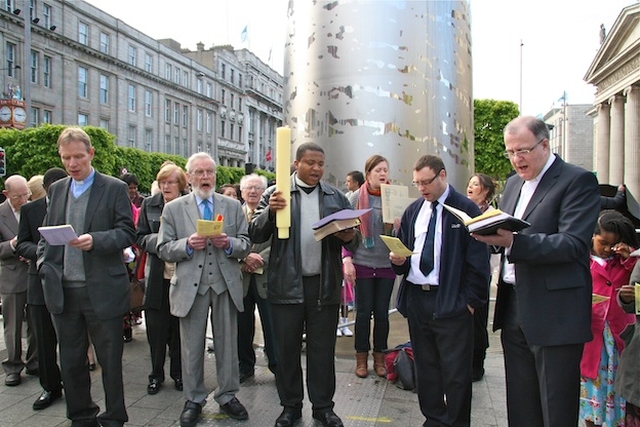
[571,134]
[76,64]
[615,71]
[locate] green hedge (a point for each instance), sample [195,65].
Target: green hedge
[32,151]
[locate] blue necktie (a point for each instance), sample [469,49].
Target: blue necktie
[426,258]
[206,210]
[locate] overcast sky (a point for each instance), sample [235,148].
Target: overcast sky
[560,39]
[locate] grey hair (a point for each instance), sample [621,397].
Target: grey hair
[246,178]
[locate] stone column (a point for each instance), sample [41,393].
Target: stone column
[602,143]
[616,147]
[632,141]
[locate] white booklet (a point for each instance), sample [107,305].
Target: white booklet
[58,235]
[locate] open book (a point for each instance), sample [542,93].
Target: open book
[338,221]
[489,222]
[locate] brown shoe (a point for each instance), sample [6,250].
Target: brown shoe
[361,364]
[379,364]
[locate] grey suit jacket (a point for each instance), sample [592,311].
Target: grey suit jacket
[553,281]
[178,223]
[13,272]
[109,220]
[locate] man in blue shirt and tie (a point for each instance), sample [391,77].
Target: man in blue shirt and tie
[207,279]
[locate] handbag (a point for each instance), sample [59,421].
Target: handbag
[403,366]
[138,284]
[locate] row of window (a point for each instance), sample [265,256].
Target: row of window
[44,17]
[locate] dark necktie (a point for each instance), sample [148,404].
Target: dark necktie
[426,258]
[206,211]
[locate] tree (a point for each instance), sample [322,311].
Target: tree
[490,118]
[34,150]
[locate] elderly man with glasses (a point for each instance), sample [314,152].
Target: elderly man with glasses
[254,278]
[13,283]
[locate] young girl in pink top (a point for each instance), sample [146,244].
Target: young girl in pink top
[613,240]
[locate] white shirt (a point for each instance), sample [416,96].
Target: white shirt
[526,193]
[421,225]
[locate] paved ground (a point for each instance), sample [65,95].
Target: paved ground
[360,402]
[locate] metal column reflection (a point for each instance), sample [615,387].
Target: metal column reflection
[381,77]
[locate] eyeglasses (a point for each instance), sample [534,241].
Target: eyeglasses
[20,196]
[253,187]
[162,183]
[426,182]
[202,172]
[507,154]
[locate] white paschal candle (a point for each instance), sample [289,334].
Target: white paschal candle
[283,184]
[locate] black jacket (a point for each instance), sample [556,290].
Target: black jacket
[464,262]
[285,263]
[146,239]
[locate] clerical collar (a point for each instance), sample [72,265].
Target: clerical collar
[88,180]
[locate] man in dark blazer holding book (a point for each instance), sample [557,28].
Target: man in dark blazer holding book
[445,280]
[544,293]
[85,282]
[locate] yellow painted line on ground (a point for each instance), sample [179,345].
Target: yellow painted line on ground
[368,419]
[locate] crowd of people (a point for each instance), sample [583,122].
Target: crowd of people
[565,301]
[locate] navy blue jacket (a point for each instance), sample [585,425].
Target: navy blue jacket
[464,262]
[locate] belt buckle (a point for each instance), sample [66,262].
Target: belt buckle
[426,288]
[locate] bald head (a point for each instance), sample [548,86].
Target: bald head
[17,191]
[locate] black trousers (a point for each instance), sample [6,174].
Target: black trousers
[247,330]
[163,330]
[373,296]
[321,323]
[72,326]
[480,336]
[543,382]
[442,349]
[47,342]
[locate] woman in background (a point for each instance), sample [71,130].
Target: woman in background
[162,327]
[481,190]
[370,269]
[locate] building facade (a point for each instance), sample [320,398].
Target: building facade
[615,71]
[76,64]
[571,134]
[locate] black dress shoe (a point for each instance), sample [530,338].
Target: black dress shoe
[12,380]
[246,375]
[46,399]
[235,409]
[154,386]
[178,384]
[288,417]
[190,414]
[328,418]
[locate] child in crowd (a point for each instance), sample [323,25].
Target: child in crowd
[627,385]
[613,241]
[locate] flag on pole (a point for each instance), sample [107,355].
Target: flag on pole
[268,156]
[563,98]
[244,34]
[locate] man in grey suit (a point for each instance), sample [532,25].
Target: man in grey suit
[207,276]
[13,283]
[85,282]
[544,293]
